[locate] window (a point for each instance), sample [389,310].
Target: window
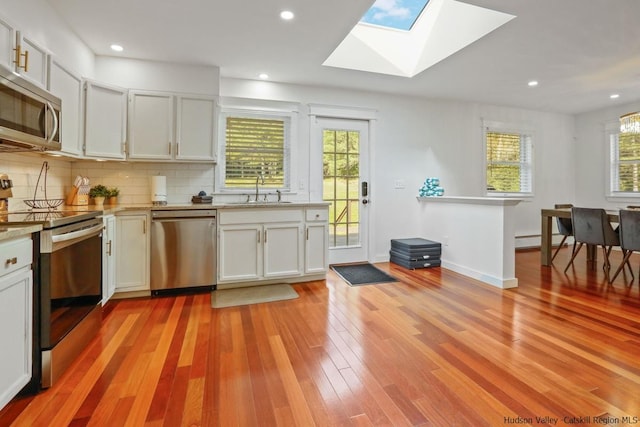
[625,162]
[255,147]
[509,161]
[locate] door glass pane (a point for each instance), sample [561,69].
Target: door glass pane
[341,172]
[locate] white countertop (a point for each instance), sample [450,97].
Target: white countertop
[498,201]
[10,232]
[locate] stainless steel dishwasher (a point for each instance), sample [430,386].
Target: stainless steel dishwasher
[183,249]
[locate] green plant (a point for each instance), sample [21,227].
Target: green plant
[113,192]
[99,191]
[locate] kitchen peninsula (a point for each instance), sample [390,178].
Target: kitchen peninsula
[477,235]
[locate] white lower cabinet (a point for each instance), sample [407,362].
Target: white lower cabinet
[132,249]
[16,323]
[316,246]
[108,258]
[258,244]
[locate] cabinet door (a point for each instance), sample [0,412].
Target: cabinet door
[68,87]
[36,67]
[105,120]
[316,248]
[16,302]
[7,44]
[282,250]
[151,125]
[195,128]
[240,252]
[132,243]
[108,258]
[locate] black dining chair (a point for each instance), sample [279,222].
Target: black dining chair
[565,228]
[591,226]
[629,230]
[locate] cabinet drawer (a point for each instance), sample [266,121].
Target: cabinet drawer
[317,214]
[15,254]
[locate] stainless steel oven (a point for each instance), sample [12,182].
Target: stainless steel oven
[68,291]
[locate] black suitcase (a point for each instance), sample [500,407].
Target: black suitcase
[427,263]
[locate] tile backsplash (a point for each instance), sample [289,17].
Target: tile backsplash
[133,179]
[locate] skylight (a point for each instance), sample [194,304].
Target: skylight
[441,28]
[398,14]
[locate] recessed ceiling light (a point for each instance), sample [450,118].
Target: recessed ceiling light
[287,15]
[533,83]
[264,76]
[614,96]
[117,48]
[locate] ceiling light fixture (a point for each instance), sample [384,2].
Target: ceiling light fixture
[117,48]
[630,123]
[287,15]
[533,83]
[263,76]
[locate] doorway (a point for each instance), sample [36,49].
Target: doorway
[345,186]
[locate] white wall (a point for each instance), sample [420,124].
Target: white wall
[415,138]
[164,76]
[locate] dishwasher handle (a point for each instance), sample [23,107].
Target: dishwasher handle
[183,214]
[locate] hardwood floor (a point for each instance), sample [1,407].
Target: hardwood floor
[434,349]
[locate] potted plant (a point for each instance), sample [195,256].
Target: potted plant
[98,193]
[112,196]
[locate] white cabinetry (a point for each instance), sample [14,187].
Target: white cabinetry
[150,125]
[165,126]
[195,134]
[105,120]
[132,249]
[16,306]
[316,240]
[108,258]
[68,87]
[258,244]
[34,60]
[7,44]
[21,54]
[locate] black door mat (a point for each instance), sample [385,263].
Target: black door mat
[362,274]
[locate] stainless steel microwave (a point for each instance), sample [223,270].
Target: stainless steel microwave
[29,115]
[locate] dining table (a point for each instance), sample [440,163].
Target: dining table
[547,216]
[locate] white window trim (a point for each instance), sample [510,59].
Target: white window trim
[613,128]
[257,108]
[514,128]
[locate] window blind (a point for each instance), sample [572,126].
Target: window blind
[254,147]
[508,162]
[627,163]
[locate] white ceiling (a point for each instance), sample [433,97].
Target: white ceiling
[581,51]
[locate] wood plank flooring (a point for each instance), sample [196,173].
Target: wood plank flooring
[434,349]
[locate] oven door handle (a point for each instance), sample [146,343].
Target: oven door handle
[77,234]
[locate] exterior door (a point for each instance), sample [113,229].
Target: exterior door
[345,185]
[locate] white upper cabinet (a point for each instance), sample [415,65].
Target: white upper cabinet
[171,127]
[21,54]
[68,87]
[105,120]
[7,44]
[151,125]
[33,60]
[195,128]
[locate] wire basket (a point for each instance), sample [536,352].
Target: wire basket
[45,203]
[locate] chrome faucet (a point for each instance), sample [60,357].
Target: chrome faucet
[259,180]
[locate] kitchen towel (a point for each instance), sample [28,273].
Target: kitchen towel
[159,189]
